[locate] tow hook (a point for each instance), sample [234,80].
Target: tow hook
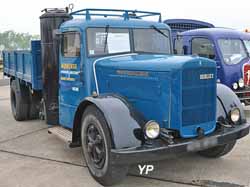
[166,136]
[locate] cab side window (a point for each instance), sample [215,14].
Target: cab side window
[203,47]
[71,44]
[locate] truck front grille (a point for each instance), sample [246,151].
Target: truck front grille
[198,96]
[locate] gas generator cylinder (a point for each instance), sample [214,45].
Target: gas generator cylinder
[50,21]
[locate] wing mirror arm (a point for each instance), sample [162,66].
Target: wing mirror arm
[185,48]
[57,34]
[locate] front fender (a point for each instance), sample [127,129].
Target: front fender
[124,122]
[226,101]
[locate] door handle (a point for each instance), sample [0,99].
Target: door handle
[80,74]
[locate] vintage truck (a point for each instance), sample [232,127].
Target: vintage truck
[228,47]
[181,25]
[108,82]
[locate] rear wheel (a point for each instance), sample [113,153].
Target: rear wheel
[218,151]
[19,103]
[96,145]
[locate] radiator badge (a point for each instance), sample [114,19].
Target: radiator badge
[206,76]
[133,73]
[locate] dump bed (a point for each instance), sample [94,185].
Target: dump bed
[25,65]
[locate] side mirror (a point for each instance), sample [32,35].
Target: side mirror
[175,51]
[57,35]
[212,57]
[185,50]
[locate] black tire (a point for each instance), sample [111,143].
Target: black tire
[218,151]
[19,103]
[94,127]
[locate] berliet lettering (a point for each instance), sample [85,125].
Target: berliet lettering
[132,73]
[206,76]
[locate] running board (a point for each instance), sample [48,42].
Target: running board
[61,133]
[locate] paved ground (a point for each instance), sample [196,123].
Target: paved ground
[29,156]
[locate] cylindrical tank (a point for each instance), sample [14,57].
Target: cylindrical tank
[49,22]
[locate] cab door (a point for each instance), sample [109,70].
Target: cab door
[70,76]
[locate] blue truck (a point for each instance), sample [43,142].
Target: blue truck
[107,81]
[228,47]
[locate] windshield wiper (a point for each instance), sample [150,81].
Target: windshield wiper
[106,39]
[159,31]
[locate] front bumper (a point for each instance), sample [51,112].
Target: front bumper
[159,149]
[243,94]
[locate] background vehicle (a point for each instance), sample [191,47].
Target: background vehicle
[228,47]
[180,25]
[113,87]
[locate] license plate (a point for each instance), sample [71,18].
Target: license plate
[202,144]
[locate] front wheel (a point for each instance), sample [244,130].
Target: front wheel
[218,151]
[96,145]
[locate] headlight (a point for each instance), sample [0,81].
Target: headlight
[235,115]
[152,129]
[235,86]
[241,83]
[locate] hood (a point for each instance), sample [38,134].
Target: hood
[155,84]
[146,62]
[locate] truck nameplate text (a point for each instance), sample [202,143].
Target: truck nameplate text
[206,76]
[132,73]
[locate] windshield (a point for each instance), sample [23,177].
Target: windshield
[103,41]
[247,44]
[106,41]
[232,50]
[151,41]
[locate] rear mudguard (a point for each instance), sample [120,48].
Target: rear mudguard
[226,101]
[124,122]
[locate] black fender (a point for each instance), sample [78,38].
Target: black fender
[226,101]
[125,123]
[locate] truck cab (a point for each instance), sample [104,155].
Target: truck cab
[113,87]
[90,47]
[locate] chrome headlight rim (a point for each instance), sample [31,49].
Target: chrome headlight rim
[235,86]
[235,115]
[152,129]
[241,83]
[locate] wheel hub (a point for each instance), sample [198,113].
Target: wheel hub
[95,146]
